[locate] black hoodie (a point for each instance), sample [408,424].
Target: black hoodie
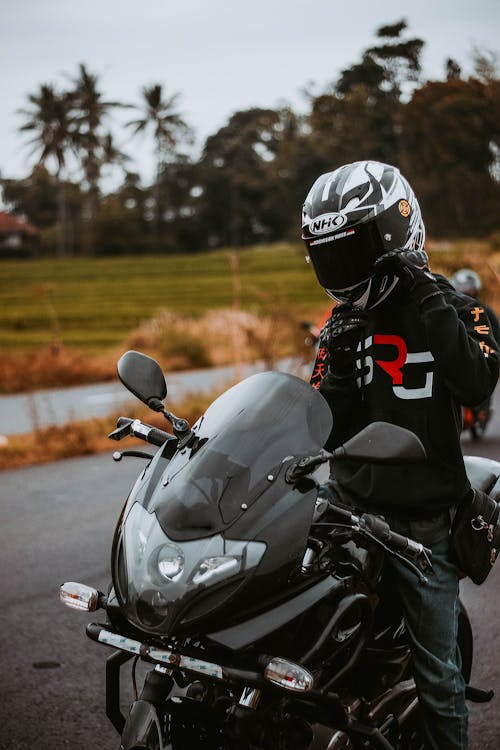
[415,368]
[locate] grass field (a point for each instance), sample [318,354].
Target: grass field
[95,303]
[96,306]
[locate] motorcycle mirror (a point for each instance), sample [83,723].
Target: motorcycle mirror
[143,377]
[385,443]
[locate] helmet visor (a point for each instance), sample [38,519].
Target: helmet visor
[348,257]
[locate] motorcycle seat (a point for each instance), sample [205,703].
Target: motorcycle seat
[484,475]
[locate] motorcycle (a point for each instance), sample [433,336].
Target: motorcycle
[258,599]
[475,419]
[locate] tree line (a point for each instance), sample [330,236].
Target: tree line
[249,181]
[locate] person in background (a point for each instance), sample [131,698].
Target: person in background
[402,346]
[468,282]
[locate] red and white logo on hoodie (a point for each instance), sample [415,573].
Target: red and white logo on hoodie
[393,366]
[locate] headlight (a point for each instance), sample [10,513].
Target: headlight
[157,577]
[170,561]
[212,569]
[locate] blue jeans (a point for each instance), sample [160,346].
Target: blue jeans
[431,614]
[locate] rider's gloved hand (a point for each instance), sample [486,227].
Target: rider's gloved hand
[341,335]
[413,273]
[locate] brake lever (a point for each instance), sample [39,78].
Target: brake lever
[413,567]
[118,455]
[402,559]
[426,561]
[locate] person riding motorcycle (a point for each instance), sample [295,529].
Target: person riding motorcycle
[468,282]
[401,346]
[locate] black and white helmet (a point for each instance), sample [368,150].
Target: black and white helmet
[350,218]
[467,281]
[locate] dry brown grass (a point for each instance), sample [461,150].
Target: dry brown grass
[54,443]
[53,367]
[89,436]
[447,258]
[220,337]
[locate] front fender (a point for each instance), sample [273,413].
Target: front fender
[142,728]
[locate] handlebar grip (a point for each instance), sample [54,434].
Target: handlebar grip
[148,433]
[396,542]
[158,437]
[340,514]
[402,543]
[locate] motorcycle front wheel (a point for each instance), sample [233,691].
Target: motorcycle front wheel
[183,725]
[191,725]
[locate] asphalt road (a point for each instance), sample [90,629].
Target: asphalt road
[57,523]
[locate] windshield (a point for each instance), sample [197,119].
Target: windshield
[243,439]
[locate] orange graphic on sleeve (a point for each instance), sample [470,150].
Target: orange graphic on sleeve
[485,348]
[319,370]
[476,312]
[322,353]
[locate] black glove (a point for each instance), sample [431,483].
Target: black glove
[412,272]
[340,335]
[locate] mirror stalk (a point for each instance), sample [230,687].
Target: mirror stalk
[180,427]
[378,443]
[156,404]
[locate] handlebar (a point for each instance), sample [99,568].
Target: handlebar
[397,542]
[377,530]
[146,432]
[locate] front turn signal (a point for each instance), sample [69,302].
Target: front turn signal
[288,675]
[79,596]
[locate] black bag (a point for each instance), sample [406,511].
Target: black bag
[475,535]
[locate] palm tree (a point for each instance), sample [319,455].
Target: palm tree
[49,118]
[90,111]
[160,115]
[110,154]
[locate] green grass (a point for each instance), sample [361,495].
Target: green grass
[95,303]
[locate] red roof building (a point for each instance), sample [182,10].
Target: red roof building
[15,231]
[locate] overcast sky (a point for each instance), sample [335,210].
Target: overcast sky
[220,55]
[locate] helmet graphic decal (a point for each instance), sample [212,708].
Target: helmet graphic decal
[326,223]
[404,208]
[332,238]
